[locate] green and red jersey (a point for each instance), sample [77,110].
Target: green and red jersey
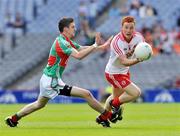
[59,55]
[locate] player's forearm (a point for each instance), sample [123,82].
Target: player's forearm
[129,62]
[86,51]
[101,48]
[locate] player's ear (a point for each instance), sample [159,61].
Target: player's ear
[65,29]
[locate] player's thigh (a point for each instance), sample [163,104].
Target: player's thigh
[132,89]
[79,92]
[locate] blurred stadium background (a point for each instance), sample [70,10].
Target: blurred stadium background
[29,27]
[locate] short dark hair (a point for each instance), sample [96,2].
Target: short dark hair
[64,22]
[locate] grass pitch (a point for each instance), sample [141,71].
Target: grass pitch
[79,120]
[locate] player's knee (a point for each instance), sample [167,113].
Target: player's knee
[87,94]
[39,105]
[137,93]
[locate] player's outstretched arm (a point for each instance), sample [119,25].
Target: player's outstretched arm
[98,41]
[86,50]
[83,52]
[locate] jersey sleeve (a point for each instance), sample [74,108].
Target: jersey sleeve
[116,47]
[76,45]
[68,51]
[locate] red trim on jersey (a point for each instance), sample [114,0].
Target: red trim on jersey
[121,37]
[61,54]
[67,39]
[115,46]
[51,60]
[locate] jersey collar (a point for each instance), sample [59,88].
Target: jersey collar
[68,40]
[125,39]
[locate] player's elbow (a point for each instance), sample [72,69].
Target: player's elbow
[78,56]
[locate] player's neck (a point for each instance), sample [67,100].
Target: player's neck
[66,35]
[127,39]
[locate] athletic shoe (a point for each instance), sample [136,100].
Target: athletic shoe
[10,122]
[104,123]
[116,113]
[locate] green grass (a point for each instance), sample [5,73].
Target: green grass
[78,120]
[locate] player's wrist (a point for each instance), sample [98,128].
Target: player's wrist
[95,45]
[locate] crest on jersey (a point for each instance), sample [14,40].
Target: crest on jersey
[125,49]
[123,82]
[67,44]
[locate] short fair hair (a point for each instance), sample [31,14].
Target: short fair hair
[128,19]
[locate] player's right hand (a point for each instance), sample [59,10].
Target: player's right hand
[98,38]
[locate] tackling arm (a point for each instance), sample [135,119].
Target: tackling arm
[99,44]
[83,52]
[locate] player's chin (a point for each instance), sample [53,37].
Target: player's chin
[73,35]
[128,35]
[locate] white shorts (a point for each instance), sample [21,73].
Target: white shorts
[46,84]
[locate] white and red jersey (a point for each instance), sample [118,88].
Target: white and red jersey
[119,46]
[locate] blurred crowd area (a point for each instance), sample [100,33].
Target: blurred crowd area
[32,23]
[15,15]
[163,41]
